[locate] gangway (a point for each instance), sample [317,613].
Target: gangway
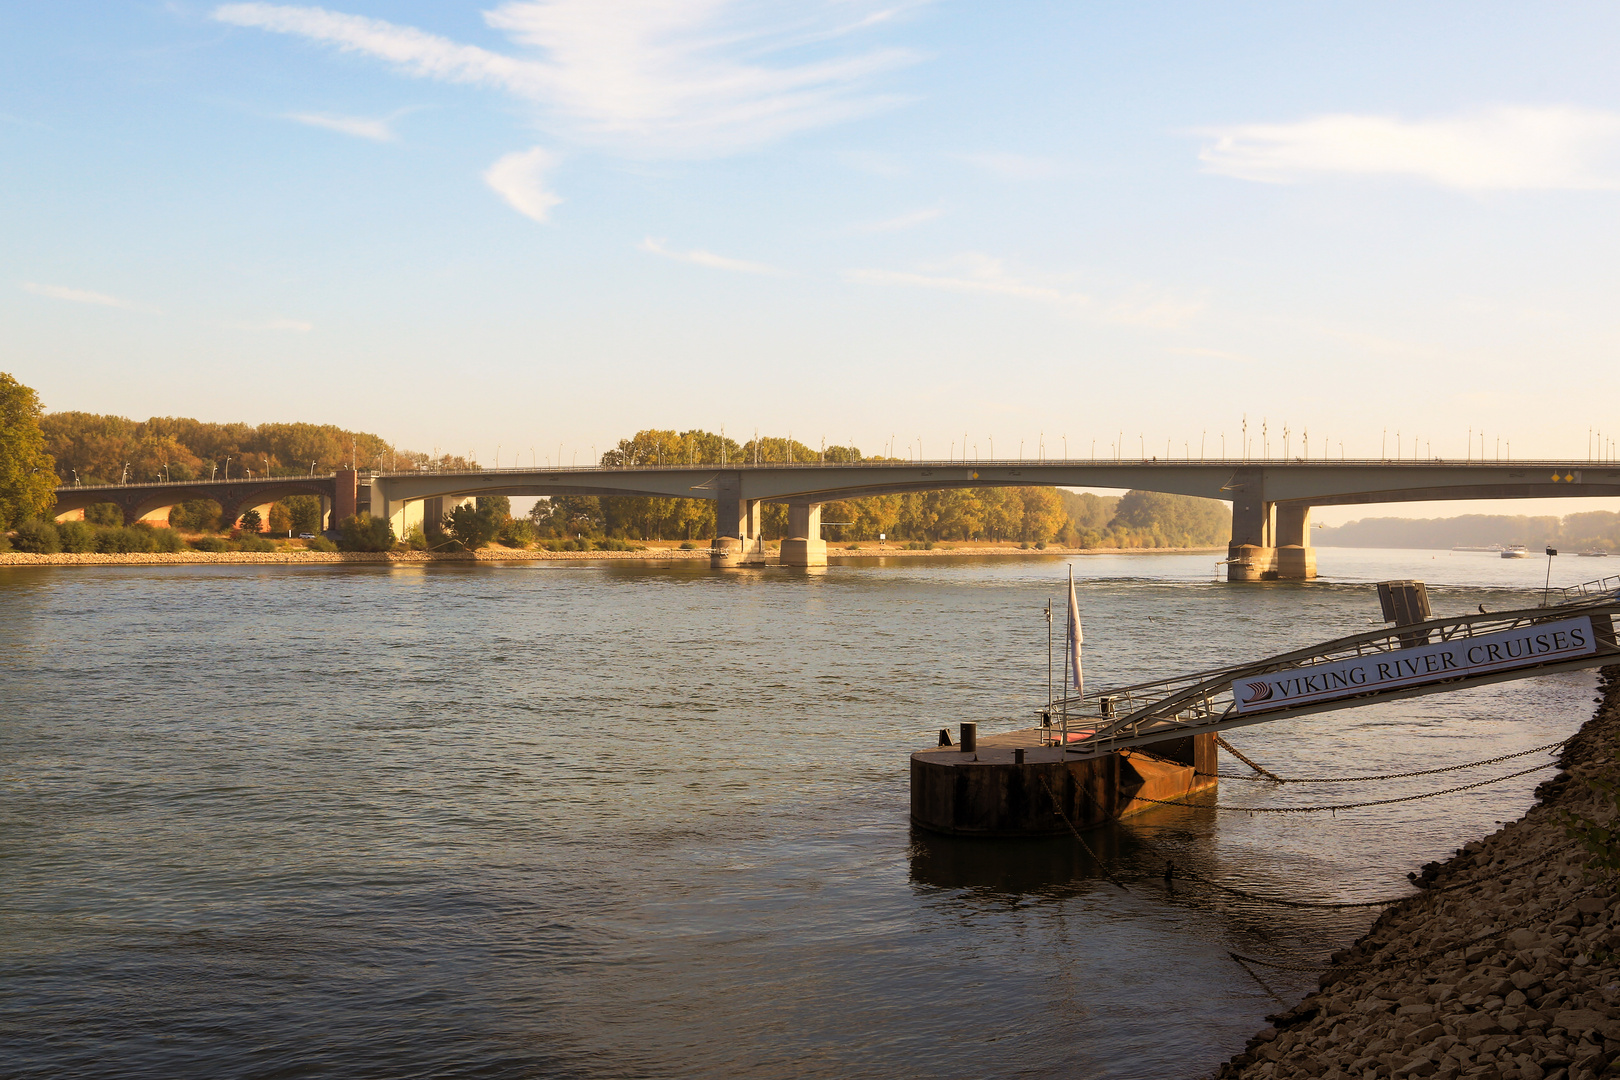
[1429,657]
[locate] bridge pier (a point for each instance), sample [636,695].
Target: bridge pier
[1296,559]
[1252,553]
[803,545]
[738,540]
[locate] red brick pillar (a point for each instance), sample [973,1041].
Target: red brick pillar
[347,483]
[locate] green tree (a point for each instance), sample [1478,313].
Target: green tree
[362,532]
[27,471]
[38,537]
[473,527]
[251,521]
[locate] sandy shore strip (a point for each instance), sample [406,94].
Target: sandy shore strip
[657,554]
[1505,967]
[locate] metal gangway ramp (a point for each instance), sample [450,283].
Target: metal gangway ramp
[1430,657]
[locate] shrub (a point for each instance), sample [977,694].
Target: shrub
[209,543]
[5,542]
[415,539]
[253,542]
[688,546]
[38,537]
[516,533]
[124,540]
[167,540]
[612,544]
[852,547]
[321,543]
[362,532]
[1040,545]
[76,536]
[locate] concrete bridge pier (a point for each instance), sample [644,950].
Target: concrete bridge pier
[738,539]
[1296,559]
[1252,553]
[803,545]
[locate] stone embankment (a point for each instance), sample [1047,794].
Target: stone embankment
[1505,966]
[300,557]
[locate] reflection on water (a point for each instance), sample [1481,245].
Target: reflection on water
[607,820]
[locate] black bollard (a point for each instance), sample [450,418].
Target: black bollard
[944,736]
[1018,756]
[970,738]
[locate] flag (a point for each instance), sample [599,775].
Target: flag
[1076,637]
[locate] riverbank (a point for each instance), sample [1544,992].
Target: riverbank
[305,557]
[1506,966]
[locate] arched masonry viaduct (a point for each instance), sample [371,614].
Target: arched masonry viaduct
[1271,500]
[142,502]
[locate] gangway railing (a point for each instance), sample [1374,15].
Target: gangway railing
[1435,656]
[1605,587]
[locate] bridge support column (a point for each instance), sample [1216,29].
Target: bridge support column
[803,545]
[738,540]
[1252,553]
[1296,559]
[346,483]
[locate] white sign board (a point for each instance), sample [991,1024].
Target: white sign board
[1543,643]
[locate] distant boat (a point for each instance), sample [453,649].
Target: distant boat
[1594,554]
[1517,551]
[1466,547]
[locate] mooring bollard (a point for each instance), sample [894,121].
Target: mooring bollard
[970,738]
[944,736]
[1018,756]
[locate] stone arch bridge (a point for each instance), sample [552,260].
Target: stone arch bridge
[1271,499]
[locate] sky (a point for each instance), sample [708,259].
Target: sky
[534,227]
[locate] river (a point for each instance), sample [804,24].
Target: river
[570,819]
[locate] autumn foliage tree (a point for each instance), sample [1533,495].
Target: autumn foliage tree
[27,474]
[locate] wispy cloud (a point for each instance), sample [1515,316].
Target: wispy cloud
[1504,149]
[974,272]
[85,296]
[707,258]
[1215,354]
[361,127]
[296,326]
[520,180]
[671,77]
[904,221]
[1013,166]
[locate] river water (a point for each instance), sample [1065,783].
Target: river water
[575,819]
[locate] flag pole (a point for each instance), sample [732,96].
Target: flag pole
[1067,649]
[1049,666]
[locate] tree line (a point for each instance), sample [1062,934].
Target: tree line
[38,450]
[1592,529]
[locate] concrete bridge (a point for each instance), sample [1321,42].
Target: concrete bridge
[1271,499]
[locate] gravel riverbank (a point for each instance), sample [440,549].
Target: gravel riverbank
[1504,967]
[495,554]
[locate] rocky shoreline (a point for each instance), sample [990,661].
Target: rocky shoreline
[312,558]
[1503,967]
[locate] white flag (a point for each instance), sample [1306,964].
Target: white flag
[1076,636]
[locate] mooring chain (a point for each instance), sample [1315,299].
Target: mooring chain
[1271,776]
[1349,806]
[1235,752]
[1058,806]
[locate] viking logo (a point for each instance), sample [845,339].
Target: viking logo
[1258,691]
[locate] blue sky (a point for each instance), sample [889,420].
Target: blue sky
[534,224]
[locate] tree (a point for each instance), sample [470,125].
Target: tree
[27,472]
[362,532]
[251,521]
[473,527]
